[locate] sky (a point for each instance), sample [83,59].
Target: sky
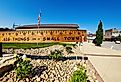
[85,13]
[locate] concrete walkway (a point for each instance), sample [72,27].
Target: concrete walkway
[107,62]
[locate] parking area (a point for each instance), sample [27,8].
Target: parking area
[111,45]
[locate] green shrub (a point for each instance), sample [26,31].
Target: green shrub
[119,37]
[64,45]
[74,45]
[79,75]
[23,68]
[69,50]
[56,54]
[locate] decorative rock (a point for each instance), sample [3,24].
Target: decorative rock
[21,81]
[11,80]
[58,71]
[38,79]
[38,61]
[46,76]
[51,75]
[51,80]
[75,68]
[24,56]
[56,80]
[27,79]
[5,79]
[42,76]
[5,69]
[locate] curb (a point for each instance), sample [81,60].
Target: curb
[98,77]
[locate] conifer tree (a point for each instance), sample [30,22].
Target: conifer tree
[99,34]
[119,37]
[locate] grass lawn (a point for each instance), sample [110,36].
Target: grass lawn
[30,45]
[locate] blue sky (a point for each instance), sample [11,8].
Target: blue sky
[86,13]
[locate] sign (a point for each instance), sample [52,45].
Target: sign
[43,36]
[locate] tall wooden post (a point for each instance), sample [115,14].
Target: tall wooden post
[0,49]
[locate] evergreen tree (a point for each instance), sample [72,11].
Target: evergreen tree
[119,37]
[99,34]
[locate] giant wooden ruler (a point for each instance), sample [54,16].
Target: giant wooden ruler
[43,36]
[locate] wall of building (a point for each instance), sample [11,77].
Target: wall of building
[108,35]
[116,34]
[112,33]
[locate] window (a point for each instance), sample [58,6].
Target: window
[9,33]
[32,33]
[16,34]
[3,34]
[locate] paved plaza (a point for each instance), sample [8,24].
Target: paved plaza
[106,61]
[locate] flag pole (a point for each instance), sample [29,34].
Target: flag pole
[38,24]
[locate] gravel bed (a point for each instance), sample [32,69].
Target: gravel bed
[47,71]
[39,51]
[50,70]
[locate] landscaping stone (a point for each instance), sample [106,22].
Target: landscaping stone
[39,51]
[48,70]
[5,69]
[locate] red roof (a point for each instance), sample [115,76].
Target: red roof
[48,26]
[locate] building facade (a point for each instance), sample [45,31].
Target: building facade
[111,34]
[91,37]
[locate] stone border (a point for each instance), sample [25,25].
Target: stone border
[98,77]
